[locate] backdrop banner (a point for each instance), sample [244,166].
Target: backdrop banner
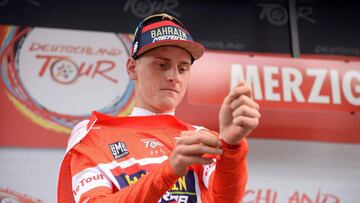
[300,99]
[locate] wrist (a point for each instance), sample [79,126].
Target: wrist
[230,140]
[228,145]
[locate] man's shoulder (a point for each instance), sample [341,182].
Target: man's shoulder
[78,133]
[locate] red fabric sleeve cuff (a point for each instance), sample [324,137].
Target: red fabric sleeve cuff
[231,146]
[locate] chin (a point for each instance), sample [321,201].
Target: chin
[167,105]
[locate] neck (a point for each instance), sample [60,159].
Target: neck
[138,111]
[154,110]
[151,108]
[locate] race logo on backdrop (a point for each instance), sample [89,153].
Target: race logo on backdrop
[57,77]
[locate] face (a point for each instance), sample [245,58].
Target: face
[161,77]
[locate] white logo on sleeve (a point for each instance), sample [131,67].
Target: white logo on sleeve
[88,179]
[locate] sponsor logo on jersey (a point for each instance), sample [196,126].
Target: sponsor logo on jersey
[125,179]
[182,191]
[129,175]
[84,182]
[118,149]
[154,146]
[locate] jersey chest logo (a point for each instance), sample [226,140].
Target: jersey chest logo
[118,149]
[153,146]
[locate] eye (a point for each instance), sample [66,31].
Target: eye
[162,65]
[184,68]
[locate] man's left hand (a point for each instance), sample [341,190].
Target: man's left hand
[239,114]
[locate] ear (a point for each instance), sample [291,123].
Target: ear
[131,68]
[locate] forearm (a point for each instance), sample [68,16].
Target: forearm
[228,181]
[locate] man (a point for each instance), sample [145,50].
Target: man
[151,156]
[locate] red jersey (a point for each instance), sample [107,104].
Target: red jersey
[125,159]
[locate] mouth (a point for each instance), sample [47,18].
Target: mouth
[170,89]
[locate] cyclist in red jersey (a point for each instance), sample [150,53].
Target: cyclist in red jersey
[151,156]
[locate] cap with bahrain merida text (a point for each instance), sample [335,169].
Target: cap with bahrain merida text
[161,30]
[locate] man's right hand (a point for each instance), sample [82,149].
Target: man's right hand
[191,147]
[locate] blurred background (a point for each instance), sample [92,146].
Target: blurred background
[61,60]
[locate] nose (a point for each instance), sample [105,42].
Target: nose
[173,75]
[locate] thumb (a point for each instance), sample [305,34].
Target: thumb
[230,97]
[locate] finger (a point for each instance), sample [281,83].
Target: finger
[246,111]
[246,122]
[197,149]
[244,100]
[196,137]
[189,160]
[241,90]
[211,156]
[241,82]
[228,99]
